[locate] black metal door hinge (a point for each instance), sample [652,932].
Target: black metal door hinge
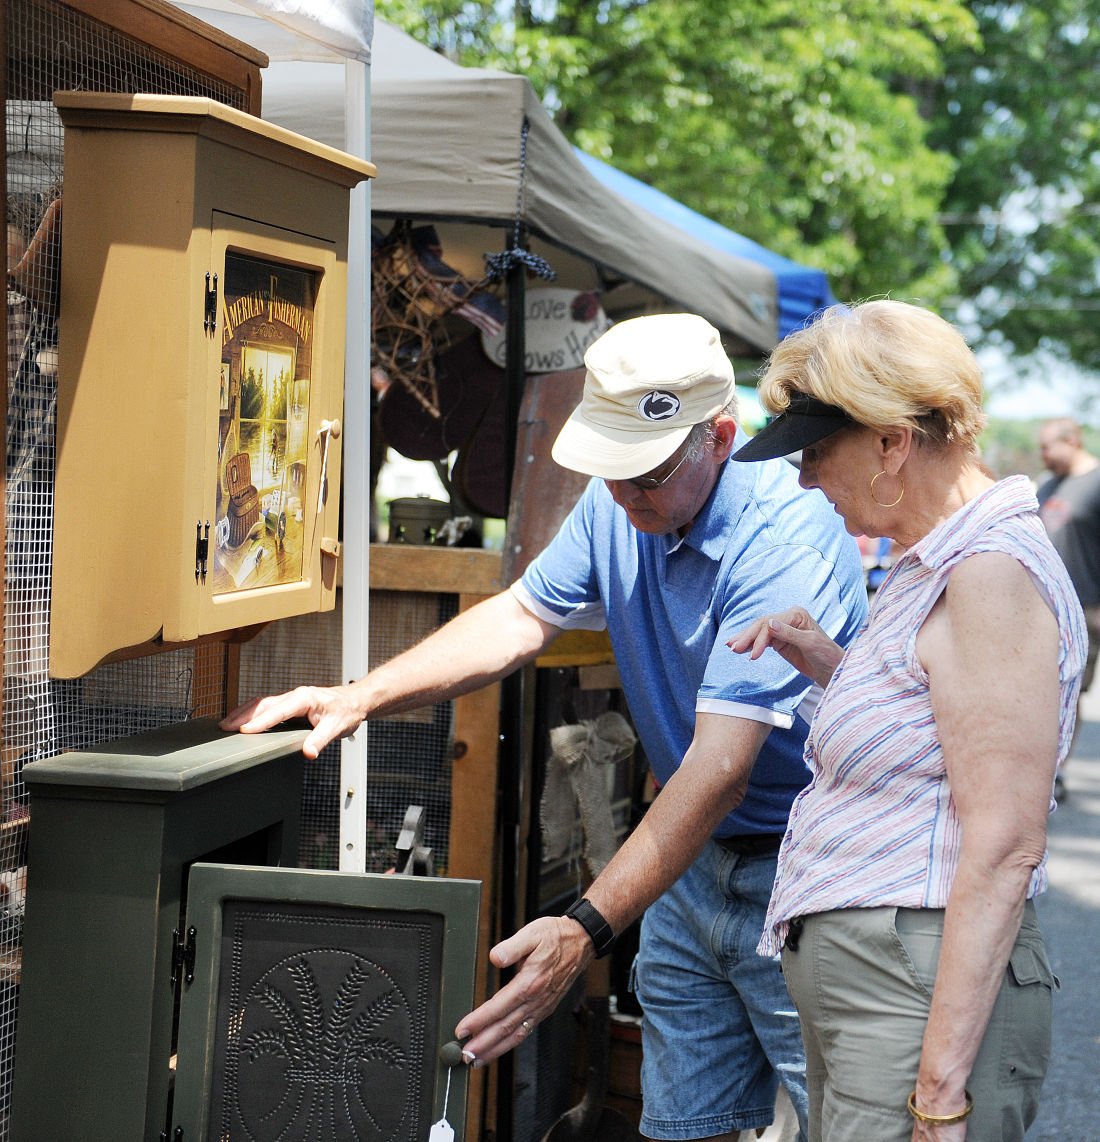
[202,549]
[210,304]
[183,956]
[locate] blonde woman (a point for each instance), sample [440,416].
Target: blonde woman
[903,900]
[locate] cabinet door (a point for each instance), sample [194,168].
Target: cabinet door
[265,514]
[319,1003]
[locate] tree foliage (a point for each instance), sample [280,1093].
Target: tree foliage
[1021,117]
[897,144]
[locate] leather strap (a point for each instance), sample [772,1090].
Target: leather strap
[598,929]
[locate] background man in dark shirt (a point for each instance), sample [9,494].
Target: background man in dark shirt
[1069,504]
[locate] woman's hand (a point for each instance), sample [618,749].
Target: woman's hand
[796,636]
[930,1132]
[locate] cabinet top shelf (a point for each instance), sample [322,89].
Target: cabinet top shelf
[190,114]
[171,759]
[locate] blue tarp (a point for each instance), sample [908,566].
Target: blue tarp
[802,290]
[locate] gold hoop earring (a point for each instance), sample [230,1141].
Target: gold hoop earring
[879,502]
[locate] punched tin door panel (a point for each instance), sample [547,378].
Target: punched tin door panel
[320,1002]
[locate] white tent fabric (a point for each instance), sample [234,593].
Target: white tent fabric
[446,140]
[331,30]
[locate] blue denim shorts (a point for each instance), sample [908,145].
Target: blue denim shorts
[719,1030]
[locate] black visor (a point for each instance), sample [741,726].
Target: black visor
[805,421]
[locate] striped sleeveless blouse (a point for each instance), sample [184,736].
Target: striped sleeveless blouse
[877,825]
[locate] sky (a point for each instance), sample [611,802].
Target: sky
[1058,393]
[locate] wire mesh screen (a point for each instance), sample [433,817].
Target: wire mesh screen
[52,47]
[304,649]
[408,756]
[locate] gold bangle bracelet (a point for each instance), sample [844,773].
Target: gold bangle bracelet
[940,1119]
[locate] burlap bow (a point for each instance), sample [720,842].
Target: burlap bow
[578,785]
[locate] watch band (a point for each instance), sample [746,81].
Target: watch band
[598,929]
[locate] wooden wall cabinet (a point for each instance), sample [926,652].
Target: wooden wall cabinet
[200,383]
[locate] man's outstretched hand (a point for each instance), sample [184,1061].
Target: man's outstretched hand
[332,712]
[548,954]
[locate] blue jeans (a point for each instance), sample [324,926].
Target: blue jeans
[719,1030]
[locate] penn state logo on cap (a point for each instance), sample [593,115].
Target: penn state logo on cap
[659,405]
[647,381]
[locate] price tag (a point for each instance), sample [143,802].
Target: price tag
[441,1131]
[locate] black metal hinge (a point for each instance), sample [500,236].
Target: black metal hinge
[210,304]
[183,956]
[202,549]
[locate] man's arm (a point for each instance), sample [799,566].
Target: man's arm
[551,952]
[475,648]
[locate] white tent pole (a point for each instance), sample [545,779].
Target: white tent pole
[356,481]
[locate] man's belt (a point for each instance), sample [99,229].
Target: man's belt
[751,844]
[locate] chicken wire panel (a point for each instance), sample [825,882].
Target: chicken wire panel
[50,47]
[291,652]
[408,756]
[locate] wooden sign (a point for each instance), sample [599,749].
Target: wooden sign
[561,324]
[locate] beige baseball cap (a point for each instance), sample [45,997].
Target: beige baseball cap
[649,381]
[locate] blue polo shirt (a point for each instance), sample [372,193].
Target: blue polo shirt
[760,544]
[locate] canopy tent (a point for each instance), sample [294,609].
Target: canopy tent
[802,290]
[329,30]
[447,142]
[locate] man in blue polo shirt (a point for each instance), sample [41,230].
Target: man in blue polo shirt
[672,549]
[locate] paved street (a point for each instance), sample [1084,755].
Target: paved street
[1070,915]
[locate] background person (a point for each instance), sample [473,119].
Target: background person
[672,549]
[903,900]
[1069,506]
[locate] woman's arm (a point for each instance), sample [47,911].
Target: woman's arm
[990,647]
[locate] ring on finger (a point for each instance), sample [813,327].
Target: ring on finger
[526,1025]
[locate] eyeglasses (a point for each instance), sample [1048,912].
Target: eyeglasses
[651,483]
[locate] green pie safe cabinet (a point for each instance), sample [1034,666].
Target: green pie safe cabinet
[182,981]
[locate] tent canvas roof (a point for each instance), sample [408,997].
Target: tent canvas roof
[802,290]
[447,140]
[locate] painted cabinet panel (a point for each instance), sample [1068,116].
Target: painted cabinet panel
[200,380]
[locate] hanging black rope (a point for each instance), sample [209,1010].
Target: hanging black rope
[498,265]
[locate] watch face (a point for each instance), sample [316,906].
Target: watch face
[263,418]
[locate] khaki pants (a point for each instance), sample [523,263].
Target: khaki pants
[862,981]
